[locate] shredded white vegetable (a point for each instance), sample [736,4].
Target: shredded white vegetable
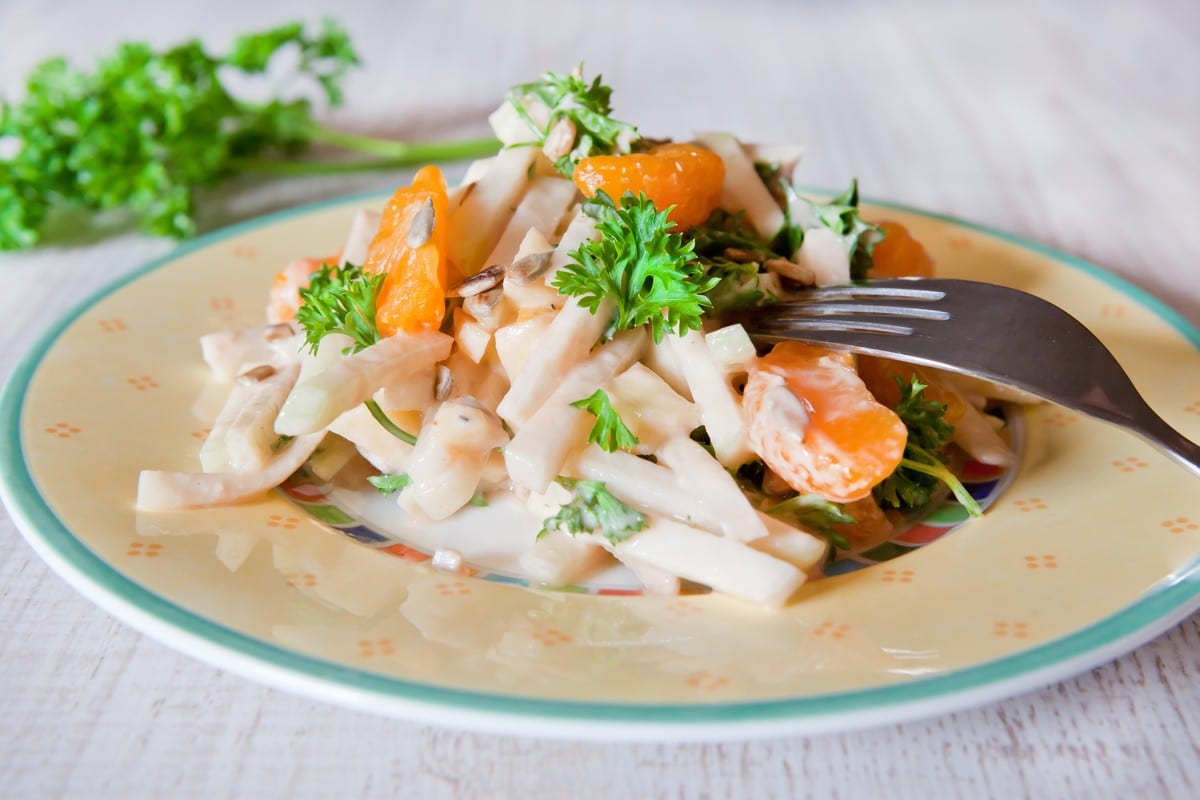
[489,393]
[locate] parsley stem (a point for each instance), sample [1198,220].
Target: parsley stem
[383,419]
[398,156]
[947,477]
[397,150]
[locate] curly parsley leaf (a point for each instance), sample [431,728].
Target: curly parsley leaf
[586,106]
[922,468]
[387,483]
[651,275]
[839,215]
[816,514]
[340,300]
[609,431]
[147,128]
[594,509]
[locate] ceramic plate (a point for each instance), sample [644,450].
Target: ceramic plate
[1090,549]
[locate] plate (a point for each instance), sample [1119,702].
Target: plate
[1090,550]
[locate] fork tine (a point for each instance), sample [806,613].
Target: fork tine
[788,310]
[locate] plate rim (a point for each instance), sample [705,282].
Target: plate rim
[211,642]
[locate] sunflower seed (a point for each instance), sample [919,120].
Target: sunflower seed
[274,333]
[444,383]
[421,227]
[481,306]
[560,139]
[790,269]
[256,374]
[739,255]
[527,269]
[480,282]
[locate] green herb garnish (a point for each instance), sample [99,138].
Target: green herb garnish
[839,215]
[650,274]
[387,483]
[340,300]
[815,514]
[586,107]
[609,430]
[922,468]
[146,128]
[594,510]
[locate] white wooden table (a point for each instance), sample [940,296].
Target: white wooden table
[1075,124]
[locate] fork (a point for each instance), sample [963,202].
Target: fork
[980,329]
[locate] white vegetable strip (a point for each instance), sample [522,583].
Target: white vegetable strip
[449,457]
[727,565]
[653,579]
[385,452]
[732,348]
[537,453]
[250,440]
[713,489]
[793,545]
[581,229]
[317,401]
[511,128]
[545,202]
[363,228]
[330,350]
[720,407]
[567,342]
[823,253]
[172,491]
[559,558]
[651,409]
[213,456]
[975,434]
[743,190]
[641,484]
[484,212]
[226,352]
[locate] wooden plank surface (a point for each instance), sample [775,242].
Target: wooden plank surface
[1075,124]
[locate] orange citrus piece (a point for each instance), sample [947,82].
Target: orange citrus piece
[880,374]
[814,422]
[682,175]
[284,297]
[899,255]
[413,295]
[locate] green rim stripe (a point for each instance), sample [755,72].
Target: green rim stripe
[1146,616]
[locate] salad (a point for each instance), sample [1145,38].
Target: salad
[561,327]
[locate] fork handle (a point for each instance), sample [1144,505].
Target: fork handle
[1171,442]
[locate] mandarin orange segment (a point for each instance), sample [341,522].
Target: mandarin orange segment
[814,422]
[284,296]
[413,295]
[880,374]
[682,175]
[899,255]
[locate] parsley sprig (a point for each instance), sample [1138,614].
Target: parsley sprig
[650,273]
[587,106]
[340,300]
[923,467]
[594,509]
[609,432]
[146,128]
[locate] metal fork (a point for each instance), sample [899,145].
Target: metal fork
[980,329]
